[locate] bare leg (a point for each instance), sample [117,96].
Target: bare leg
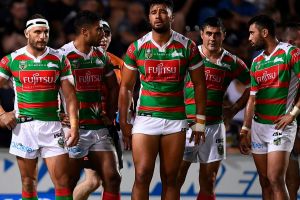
[105,164]
[207,177]
[28,171]
[171,154]
[184,167]
[144,151]
[277,165]
[91,182]
[260,161]
[58,167]
[293,178]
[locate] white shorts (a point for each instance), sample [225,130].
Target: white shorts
[265,138]
[91,140]
[37,138]
[158,126]
[214,148]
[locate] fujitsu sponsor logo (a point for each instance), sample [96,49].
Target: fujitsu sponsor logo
[214,78]
[88,77]
[266,77]
[161,69]
[167,70]
[37,78]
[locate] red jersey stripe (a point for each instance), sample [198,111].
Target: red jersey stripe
[271,101]
[162,94]
[161,109]
[38,105]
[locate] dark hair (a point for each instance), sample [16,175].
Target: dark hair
[36,16]
[84,19]
[213,22]
[168,3]
[264,21]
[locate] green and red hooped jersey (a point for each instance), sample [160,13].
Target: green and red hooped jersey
[274,82]
[162,71]
[36,81]
[89,71]
[218,77]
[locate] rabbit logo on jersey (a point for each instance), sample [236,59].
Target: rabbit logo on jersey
[38,80]
[161,71]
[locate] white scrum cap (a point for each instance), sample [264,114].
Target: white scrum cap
[36,22]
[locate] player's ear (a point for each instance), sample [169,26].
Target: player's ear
[26,33]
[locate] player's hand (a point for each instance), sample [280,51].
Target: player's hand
[197,137]
[65,120]
[245,142]
[9,120]
[283,121]
[72,137]
[127,135]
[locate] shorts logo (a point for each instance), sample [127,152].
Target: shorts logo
[277,141]
[61,142]
[57,135]
[220,146]
[277,134]
[256,145]
[220,149]
[21,147]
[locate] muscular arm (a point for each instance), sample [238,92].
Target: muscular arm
[245,142]
[125,95]
[231,111]
[112,95]
[249,111]
[72,110]
[198,79]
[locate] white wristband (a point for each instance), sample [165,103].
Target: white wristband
[245,128]
[200,117]
[295,112]
[198,127]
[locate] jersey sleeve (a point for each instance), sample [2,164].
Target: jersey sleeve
[243,74]
[254,85]
[131,57]
[5,71]
[295,61]
[66,72]
[194,58]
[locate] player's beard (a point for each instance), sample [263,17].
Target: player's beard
[163,29]
[259,45]
[38,46]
